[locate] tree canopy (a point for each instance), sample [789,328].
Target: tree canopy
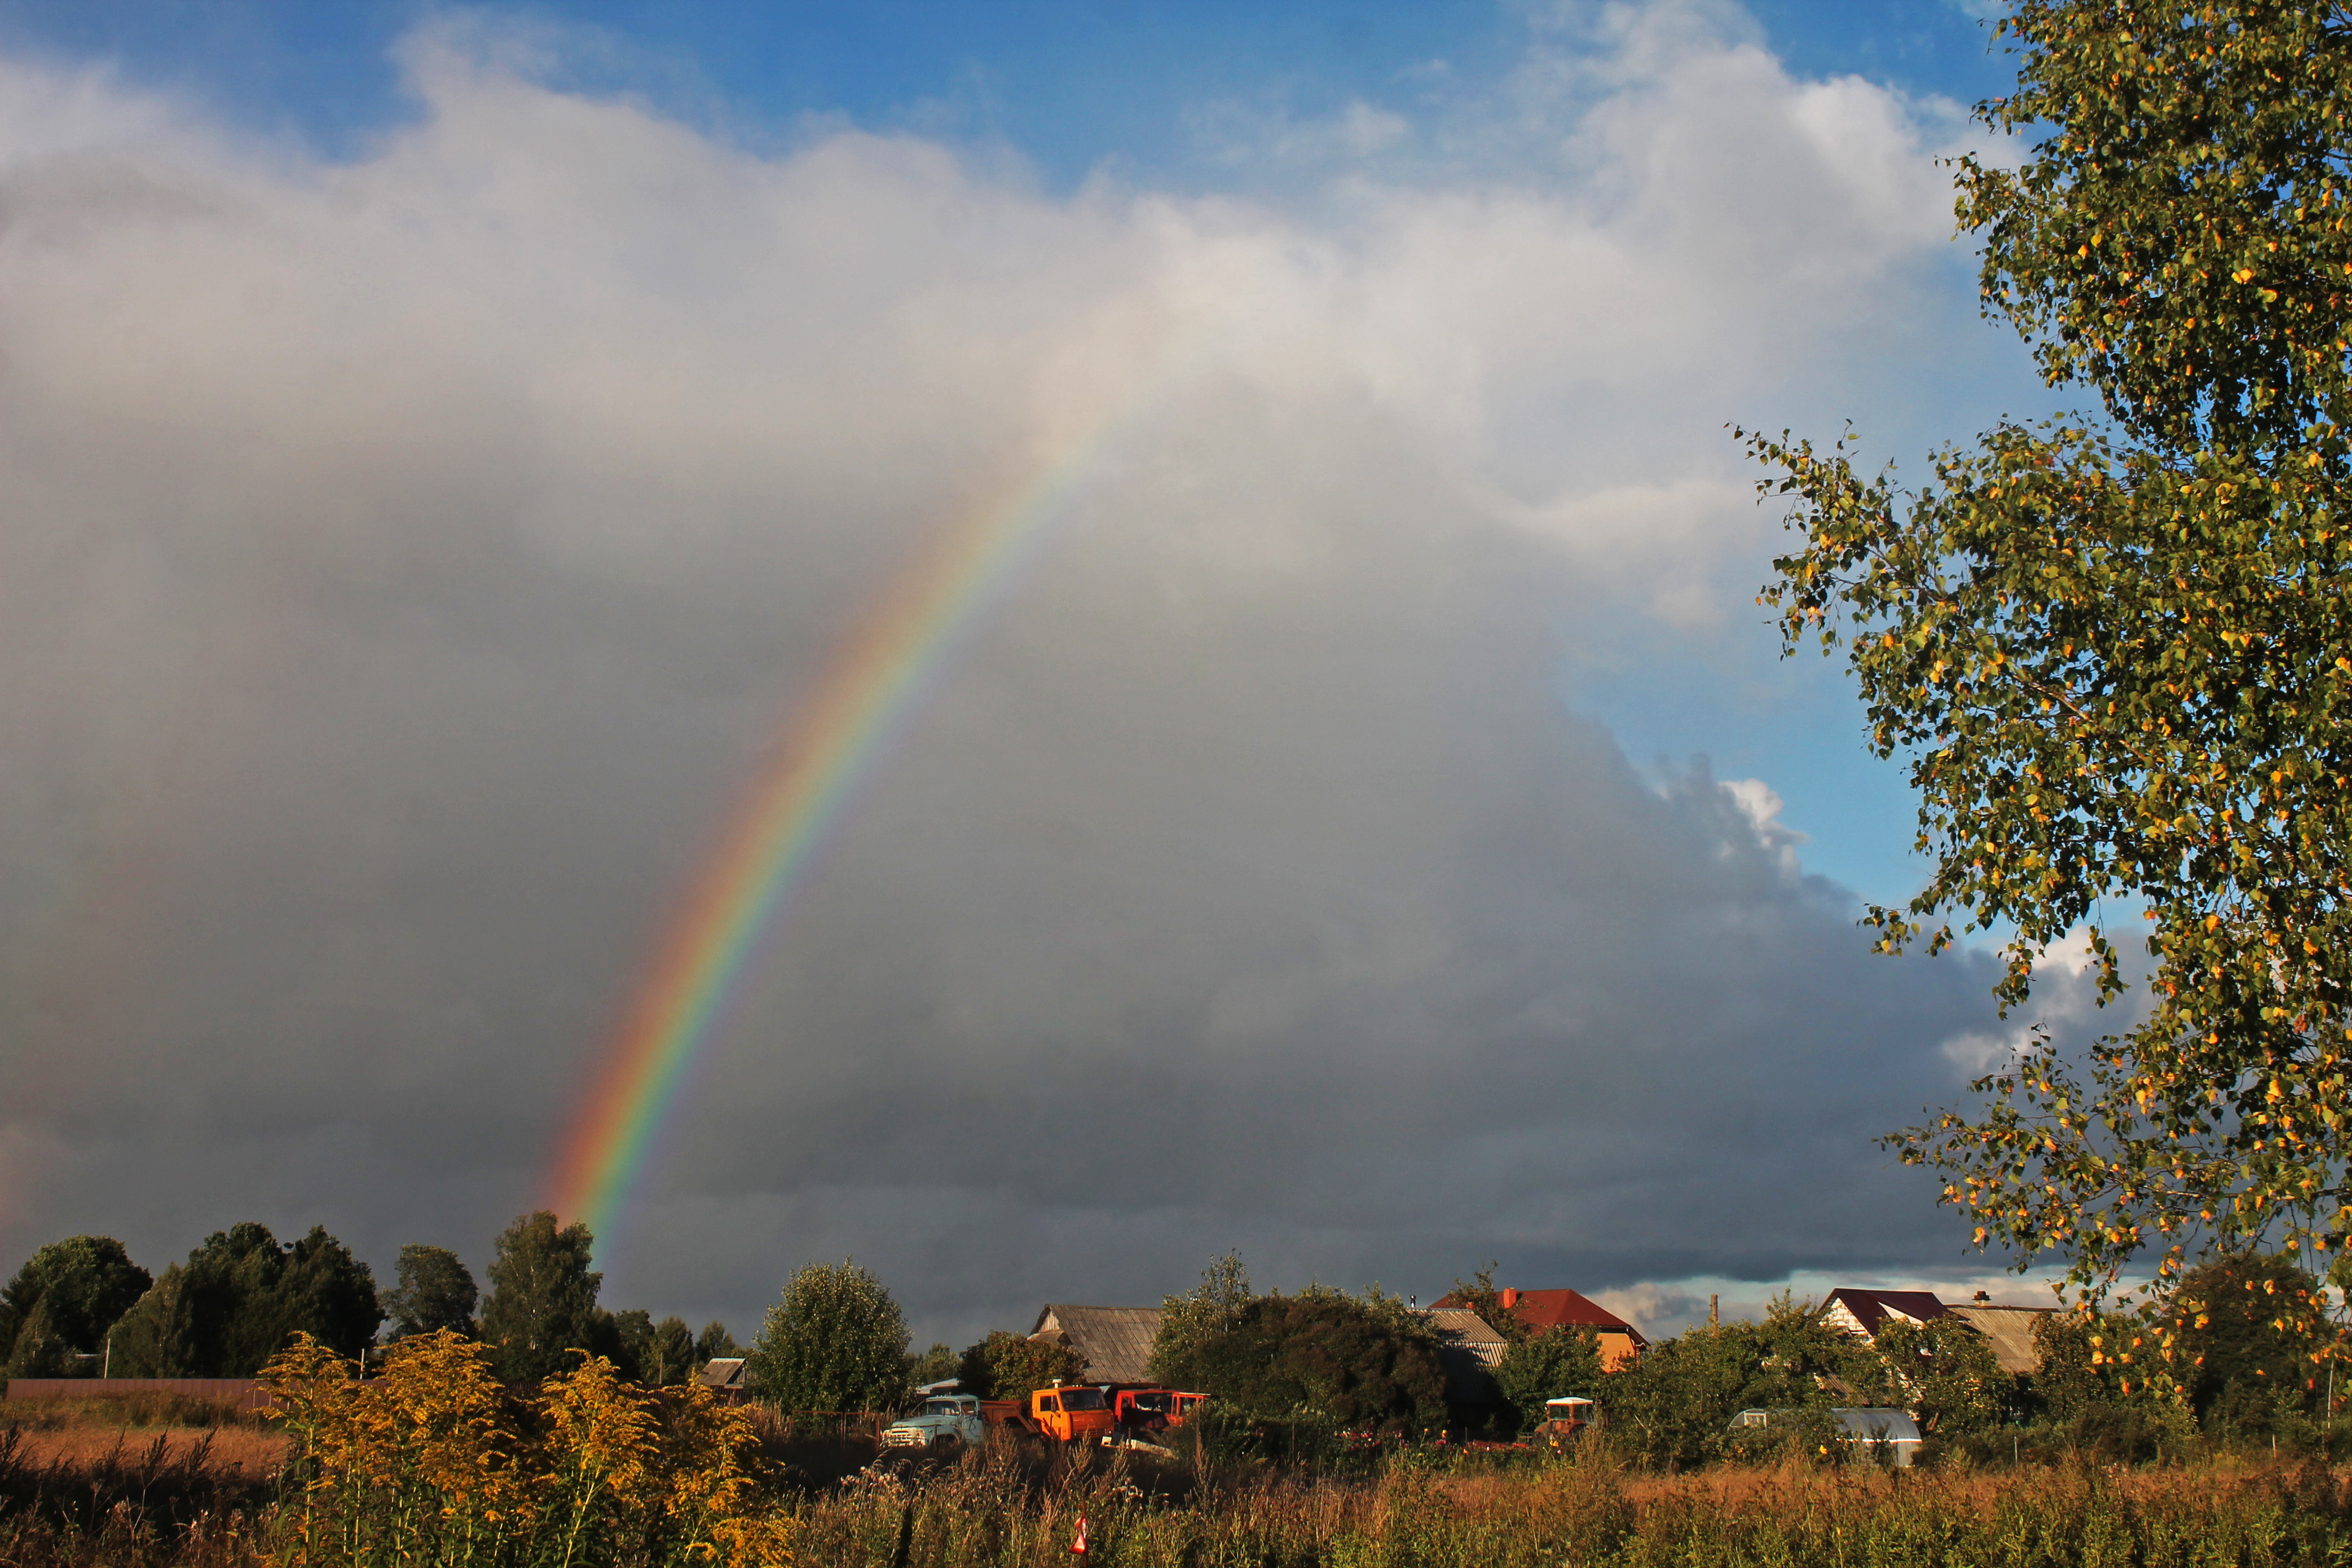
[239,1298]
[2115,650]
[1322,1354]
[1013,1366]
[543,1300]
[62,1303]
[1186,1321]
[836,1340]
[434,1289]
[1558,1361]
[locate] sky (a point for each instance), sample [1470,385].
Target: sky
[1370,824]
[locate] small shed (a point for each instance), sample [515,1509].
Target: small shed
[1114,1343]
[724,1377]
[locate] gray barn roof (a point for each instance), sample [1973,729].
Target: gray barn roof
[2009,1332]
[1469,1350]
[1115,1341]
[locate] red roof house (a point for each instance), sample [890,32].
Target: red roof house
[1541,1310]
[1861,1313]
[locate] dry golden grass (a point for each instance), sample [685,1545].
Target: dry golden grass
[250,1451]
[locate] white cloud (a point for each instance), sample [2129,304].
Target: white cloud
[410,560]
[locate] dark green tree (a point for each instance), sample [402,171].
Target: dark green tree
[2115,651]
[626,1340]
[542,1300]
[1322,1356]
[1013,1366]
[1943,1372]
[1555,1363]
[715,1344]
[2252,1340]
[435,1290]
[239,1297]
[674,1358]
[834,1341]
[63,1301]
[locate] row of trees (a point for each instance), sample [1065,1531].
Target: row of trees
[2243,1347]
[81,1306]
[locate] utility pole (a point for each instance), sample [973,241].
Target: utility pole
[1712,1320]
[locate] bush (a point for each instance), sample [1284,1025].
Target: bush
[1323,1356]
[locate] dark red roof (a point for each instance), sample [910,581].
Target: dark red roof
[1871,1306]
[1541,1310]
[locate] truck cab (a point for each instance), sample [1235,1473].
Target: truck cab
[1071,1413]
[946,1420]
[1154,1409]
[1567,1419]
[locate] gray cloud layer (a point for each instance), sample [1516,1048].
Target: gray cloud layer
[407,563]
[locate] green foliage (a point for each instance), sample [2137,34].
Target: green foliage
[936,1364]
[1944,1372]
[239,1298]
[542,1300]
[626,1340]
[1186,1321]
[836,1341]
[63,1300]
[674,1355]
[715,1344]
[1673,1406]
[434,1290]
[1555,1363]
[2116,659]
[1013,1366]
[2252,1341]
[1323,1354]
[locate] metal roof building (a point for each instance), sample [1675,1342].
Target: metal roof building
[2009,1332]
[1114,1343]
[1469,1349]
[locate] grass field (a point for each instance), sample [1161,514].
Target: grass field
[94,1489]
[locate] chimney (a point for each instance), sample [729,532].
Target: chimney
[1510,1298]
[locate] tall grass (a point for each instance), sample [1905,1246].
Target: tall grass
[1421,1515]
[441,1468]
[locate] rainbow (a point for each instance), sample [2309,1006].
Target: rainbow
[875,679]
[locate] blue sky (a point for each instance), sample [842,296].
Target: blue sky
[1070,83]
[447,441]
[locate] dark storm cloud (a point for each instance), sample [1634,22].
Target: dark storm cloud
[408,565]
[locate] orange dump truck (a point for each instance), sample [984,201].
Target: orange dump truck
[1071,1413]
